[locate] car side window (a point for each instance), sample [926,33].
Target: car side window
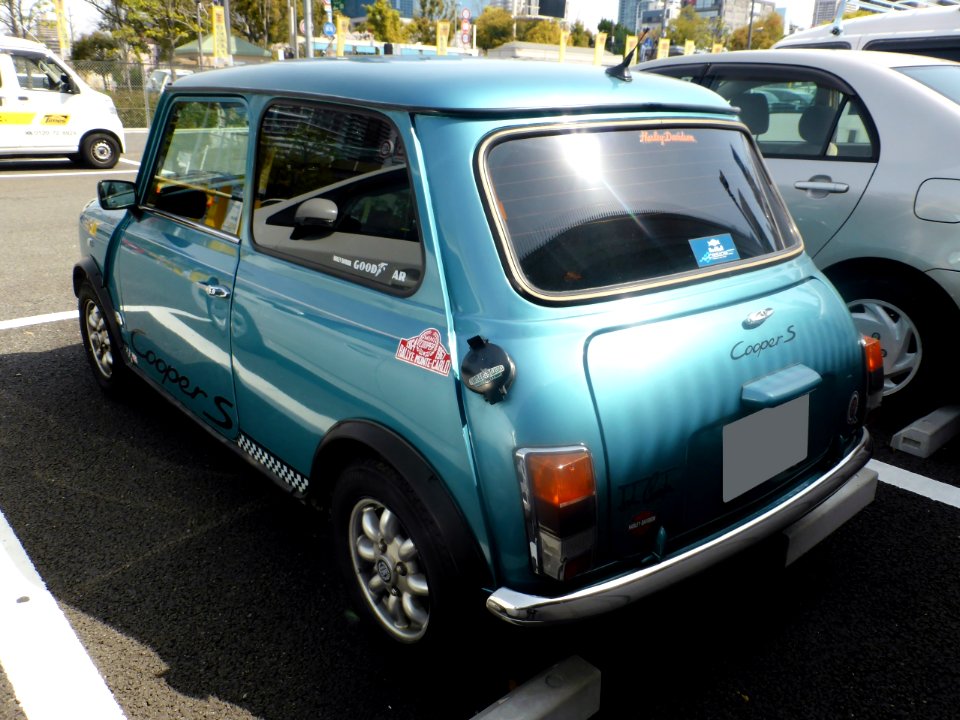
[37,73]
[333,193]
[795,118]
[200,168]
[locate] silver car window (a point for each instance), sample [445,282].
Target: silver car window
[945,79]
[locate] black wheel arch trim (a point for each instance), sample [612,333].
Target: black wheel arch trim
[88,270]
[348,439]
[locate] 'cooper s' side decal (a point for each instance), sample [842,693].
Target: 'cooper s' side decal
[743,348]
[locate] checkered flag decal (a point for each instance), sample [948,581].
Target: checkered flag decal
[287,474]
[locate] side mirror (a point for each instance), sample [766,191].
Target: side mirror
[314,219]
[65,84]
[316,211]
[116,194]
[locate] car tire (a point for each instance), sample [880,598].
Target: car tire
[396,566]
[100,345]
[99,150]
[900,314]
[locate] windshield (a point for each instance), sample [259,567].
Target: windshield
[610,208]
[945,79]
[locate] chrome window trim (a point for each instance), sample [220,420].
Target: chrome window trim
[179,220]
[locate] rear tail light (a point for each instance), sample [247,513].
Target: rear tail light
[560,505]
[873,357]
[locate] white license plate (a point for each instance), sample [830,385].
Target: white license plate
[764,444]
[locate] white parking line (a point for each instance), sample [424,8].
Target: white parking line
[906,480]
[38,319]
[44,661]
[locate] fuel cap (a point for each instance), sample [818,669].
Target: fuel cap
[487,369]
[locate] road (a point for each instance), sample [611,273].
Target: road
[199,590]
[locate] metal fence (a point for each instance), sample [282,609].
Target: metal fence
[129,84]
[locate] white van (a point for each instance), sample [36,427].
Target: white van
[931,31]
[47,109]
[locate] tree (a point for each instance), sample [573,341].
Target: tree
[18,16]
[494,28]
[689,25]
[423,28]
[580,36]
[766,31]
[384,22]
[98,45]
[540,31]
[259,21]
[616,35]
[136,23]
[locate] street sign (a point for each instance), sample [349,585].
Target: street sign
[465,38]
[329,29]
[465,13]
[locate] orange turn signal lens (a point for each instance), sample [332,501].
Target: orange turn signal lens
[873,353]
[560,479]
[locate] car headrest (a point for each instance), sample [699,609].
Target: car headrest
[815,123]
[754,111]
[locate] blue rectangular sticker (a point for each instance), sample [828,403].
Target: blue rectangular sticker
[714,249]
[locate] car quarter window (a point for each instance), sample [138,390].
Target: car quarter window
[201,166]
[799,117]
[333,193]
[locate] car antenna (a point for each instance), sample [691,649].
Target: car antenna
[622,71]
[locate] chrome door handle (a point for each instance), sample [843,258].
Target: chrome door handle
[821,186]
[215,291]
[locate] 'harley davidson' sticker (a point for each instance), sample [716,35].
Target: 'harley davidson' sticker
[425,351]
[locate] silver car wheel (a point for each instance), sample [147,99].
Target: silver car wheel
[101,151]
[98,339]
[899,339]
[387,566]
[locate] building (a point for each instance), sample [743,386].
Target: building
[732,14]
[823,12]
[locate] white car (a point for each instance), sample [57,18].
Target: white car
[162,78]
[870,169]
[933,31]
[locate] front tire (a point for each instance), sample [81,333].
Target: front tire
[100,345]
[391,554]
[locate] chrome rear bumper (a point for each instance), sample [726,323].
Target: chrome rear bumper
[805,519]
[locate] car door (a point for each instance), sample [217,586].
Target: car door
[175,263]
[816,137]
[334,315]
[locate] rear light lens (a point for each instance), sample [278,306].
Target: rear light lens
[873,358]
[560,506]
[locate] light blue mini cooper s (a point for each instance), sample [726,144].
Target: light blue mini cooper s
[538,336]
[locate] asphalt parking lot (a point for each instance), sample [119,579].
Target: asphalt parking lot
[198,590]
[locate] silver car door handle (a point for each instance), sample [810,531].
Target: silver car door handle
[821,186]
[216,291]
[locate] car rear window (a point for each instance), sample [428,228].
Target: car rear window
[609,209]
[945,79]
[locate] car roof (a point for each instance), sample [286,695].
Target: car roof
[932,20]
[832,60]
[9,42]
[460,85]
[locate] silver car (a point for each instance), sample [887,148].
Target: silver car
[869,165]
